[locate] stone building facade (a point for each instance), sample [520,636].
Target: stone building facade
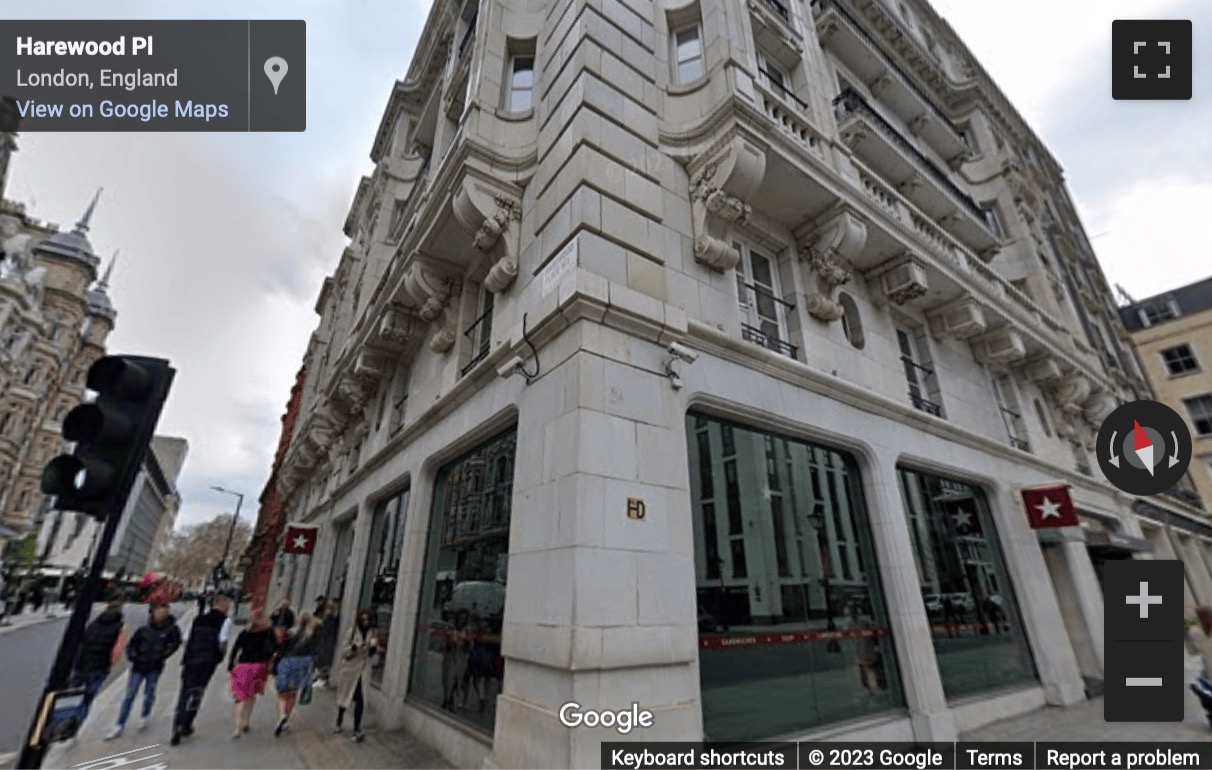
[692,353]
[1172,333]
[55,317]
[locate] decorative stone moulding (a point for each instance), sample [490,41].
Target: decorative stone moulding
[1072,394]
[961,319]
[719,194]
[433,291]
[1043,370]
[398,329]
[1100,406]
[903,279]
[1001,346]
[827,248]
[493,216]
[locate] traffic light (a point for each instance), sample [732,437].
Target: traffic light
[111,434]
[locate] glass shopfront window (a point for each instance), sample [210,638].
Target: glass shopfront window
[978,636]
[382,567]
[792,627]
[457,662]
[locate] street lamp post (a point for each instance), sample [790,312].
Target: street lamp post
[222,566]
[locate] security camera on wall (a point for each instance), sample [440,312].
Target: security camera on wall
[682,352]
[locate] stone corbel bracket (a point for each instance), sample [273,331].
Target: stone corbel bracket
[827,247]
[1072,393]
[399,328]
[493,217]
[719,193]
[1098,407]
[433,292]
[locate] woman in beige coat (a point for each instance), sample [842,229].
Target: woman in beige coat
[361,643]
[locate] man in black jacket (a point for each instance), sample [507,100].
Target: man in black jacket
[151,645]
[205,648]
[97,652]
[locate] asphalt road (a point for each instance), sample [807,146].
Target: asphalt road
[27,653]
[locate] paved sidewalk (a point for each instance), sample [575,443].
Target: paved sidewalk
[1084,722]
[30,618]
[307,743]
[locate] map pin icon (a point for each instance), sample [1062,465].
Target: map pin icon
[275,70]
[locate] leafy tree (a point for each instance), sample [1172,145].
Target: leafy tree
[191,555]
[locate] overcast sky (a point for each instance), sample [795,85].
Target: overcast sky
[226,238]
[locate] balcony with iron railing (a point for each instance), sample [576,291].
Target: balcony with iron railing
[922,405]
[882,146]
[847,38]
[480,333]
[769,341]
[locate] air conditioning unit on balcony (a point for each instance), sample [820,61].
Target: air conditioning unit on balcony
[962,320]
[1002,346]
[1042,370]
[905,282]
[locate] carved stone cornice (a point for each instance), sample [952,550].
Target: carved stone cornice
[433,291]
[719,194]
[827,247]
[494,217]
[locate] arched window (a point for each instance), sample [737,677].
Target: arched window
[852,324]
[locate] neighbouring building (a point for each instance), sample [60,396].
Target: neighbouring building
[55,317]
[68,539]
[694,354]
[1172,333]
[260,560]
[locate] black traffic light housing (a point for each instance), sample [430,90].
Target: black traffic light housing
[111,434]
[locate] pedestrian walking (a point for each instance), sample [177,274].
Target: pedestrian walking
[205,648]
[37,596]
[292,671]
[248,665]
[149,648]
[102,646]
[52,598]
[329,634]
[201,603]
[284,616]
[361,644]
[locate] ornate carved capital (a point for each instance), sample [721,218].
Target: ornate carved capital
[719,191]
[827,248]
[493,217]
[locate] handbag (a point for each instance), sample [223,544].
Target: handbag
[305,696]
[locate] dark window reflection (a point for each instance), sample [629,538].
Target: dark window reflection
[382,568]
[457,660]
[978,636]
[792,630]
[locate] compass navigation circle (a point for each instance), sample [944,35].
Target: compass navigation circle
[1144,447]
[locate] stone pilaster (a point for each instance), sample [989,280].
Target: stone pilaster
[1037,604]
[931,719]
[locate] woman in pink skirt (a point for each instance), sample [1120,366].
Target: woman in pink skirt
[249,663]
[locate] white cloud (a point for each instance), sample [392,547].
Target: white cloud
[1147,232]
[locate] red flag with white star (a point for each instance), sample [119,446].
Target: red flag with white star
[1050,506]
[300,538]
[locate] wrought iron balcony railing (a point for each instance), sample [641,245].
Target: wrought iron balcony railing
[483,336]
[849,102]
[827,5]
[922,405]
[768,341]
[772,80]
